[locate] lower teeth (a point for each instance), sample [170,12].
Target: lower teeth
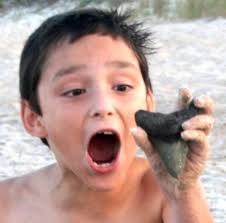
[102,164]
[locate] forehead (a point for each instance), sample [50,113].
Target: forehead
[91,51]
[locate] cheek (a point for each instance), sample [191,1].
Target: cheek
[65,139]
[63,127]
[138,102]
[132,106]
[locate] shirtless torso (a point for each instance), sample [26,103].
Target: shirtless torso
[29,199]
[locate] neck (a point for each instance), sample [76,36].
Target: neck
[71,194]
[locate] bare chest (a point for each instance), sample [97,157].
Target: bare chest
[43,213]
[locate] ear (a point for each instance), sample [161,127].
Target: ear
[32,121]
[150,100]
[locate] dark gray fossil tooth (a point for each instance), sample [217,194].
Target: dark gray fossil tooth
[164,132]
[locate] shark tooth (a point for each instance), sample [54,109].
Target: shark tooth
[163,131]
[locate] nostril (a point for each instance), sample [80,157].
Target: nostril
[102,113]
[109,113]
[96,114]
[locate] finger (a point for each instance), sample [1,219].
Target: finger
[141,139]
[193,135]
[206,103]
[198,142]
[156,163]
[144,143]
[184,97]
[199,122]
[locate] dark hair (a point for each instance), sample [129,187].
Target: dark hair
[73,25]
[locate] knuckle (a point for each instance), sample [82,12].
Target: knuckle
[211,123]
[200,136]
[207,121]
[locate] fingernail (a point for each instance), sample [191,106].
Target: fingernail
[185,94]
[184,134]
[133,130]
[186,125]
[184,87]
[199,101]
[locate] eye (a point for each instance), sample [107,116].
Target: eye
[74,92]
[122,87]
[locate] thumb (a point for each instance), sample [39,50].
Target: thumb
[141,139]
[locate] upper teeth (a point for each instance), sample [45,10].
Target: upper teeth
[106,132]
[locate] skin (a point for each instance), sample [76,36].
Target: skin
[70,191]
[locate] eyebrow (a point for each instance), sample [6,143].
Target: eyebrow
[119,64]
[68,70]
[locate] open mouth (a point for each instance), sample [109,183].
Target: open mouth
[103,149]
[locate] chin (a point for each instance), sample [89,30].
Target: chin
[104,185]
[107,181]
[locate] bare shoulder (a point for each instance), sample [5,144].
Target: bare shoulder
[27,182]
[8,189]
[5,195]
[17,191]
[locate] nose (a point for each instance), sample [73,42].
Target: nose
[102,105]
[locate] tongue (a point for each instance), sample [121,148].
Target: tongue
[101,148]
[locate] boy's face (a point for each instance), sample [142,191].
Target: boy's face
[92,86]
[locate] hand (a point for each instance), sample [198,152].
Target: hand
[195,133]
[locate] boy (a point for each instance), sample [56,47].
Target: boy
[83,75]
